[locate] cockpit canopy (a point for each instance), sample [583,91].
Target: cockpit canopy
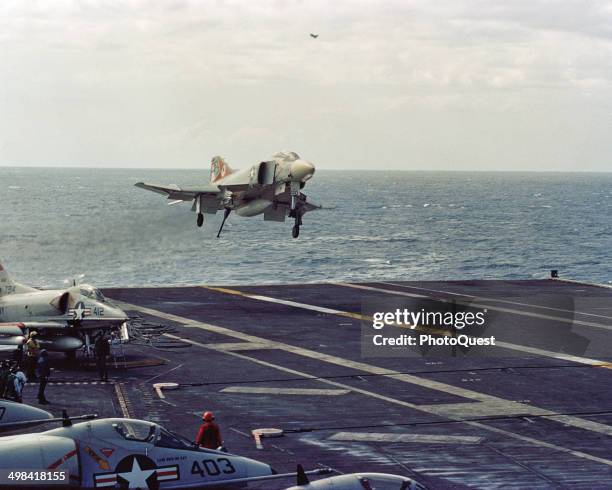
[92,293]
[289,156]
[135,430]
[174,441]
[141,431]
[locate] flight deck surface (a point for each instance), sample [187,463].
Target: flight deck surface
[289,357]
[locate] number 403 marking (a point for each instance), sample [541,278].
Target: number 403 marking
[211,467]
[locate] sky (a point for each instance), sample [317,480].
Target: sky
[411,84]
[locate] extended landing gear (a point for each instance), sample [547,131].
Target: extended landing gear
[227,213]
[297,213]
[200,220]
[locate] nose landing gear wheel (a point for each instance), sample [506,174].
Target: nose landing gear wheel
[295,232]
[200,220]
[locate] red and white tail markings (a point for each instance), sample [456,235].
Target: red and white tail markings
[219,169]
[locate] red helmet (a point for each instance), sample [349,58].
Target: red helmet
[208,416]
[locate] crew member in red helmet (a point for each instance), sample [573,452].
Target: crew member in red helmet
[209,434]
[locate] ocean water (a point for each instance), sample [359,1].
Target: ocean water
[58,223]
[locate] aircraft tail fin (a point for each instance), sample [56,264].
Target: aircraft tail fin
[219,169]
[7,285]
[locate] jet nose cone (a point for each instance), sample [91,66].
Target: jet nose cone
[301,170]
[257,468]
[116,313]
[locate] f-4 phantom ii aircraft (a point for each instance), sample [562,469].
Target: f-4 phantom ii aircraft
[271,188]
[64,319]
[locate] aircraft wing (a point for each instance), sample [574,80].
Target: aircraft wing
[57,323]
[17,328]
[179,193]
[256,479]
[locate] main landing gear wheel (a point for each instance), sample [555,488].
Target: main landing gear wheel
[295,232]
[200,220]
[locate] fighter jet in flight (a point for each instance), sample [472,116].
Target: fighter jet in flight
[272,188]
[64,319]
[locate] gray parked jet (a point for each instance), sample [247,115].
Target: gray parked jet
[127,453]
[17,416]
[65,319]
[130,453]
[271,188]
[356,481]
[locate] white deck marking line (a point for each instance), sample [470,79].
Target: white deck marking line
[555,355]
[498,343]
[359,366]
[391,438]
[535,442]
[319,309]
[262,390]
[497,300]
[240,346]
[482,306]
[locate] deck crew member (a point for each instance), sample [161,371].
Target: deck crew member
[102,350]
[209,434]
[5,371]
[44,371]
[32,356]
[15,384]
[18,354]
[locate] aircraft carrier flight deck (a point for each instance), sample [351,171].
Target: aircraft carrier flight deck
[289,357]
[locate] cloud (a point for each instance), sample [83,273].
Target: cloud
[131,79]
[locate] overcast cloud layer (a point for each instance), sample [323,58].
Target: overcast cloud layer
[483,85]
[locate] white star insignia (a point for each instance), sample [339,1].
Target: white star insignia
[137,478]
[78,312]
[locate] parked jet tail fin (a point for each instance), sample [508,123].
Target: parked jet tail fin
[219,169]
[7,285]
